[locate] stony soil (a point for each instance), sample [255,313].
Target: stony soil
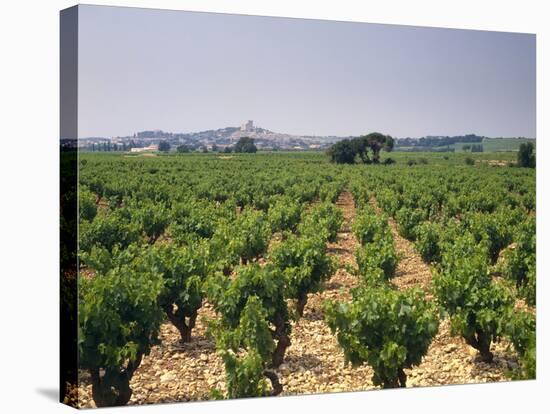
[314,363]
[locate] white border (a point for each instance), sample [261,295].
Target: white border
[29,111]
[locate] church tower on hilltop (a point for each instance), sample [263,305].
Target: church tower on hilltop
[248,126]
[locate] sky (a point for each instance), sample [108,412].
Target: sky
[146,69]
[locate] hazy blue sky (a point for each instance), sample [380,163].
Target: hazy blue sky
[182,71]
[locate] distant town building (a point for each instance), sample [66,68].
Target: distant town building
[152,147]
[248,126]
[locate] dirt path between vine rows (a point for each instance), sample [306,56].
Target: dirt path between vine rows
[449,359]
[314,363]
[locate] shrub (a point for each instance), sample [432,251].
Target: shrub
[469,161]
[529,288]
[529,202]
[389,201]
[108,230]
[476,306]
[284,214]
[521,330]
[229,297]
[86,204]
[491,230]
[246,238]
[408,219]
[324,219]
[361,195]
[459,244]
[153,218]
[368,225]
[184,270]
[246,350]
[119,323]
[378,254]
[388,329]
[427,242]
[329,192]
[520,263]
[304,264]
[194,219]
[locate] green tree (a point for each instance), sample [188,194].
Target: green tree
[376,142]
[526,155]
[245,144]
[183,149]
[360,146]
[164,146]
[343,152]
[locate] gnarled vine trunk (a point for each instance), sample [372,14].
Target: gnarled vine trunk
[112,388]
[283,342]
[275,384]
[482,343]
[396,382]
[402,378]
[178,319]
[300,305]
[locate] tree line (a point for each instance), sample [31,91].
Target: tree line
[366,147]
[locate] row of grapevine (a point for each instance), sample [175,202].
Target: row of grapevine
[431,210]
[184,249]
[160,236]
[254,329]
[469,238]
[388,329]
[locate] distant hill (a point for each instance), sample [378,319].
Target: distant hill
[264,138]
[267,139]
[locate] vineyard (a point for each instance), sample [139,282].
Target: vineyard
[208,276]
